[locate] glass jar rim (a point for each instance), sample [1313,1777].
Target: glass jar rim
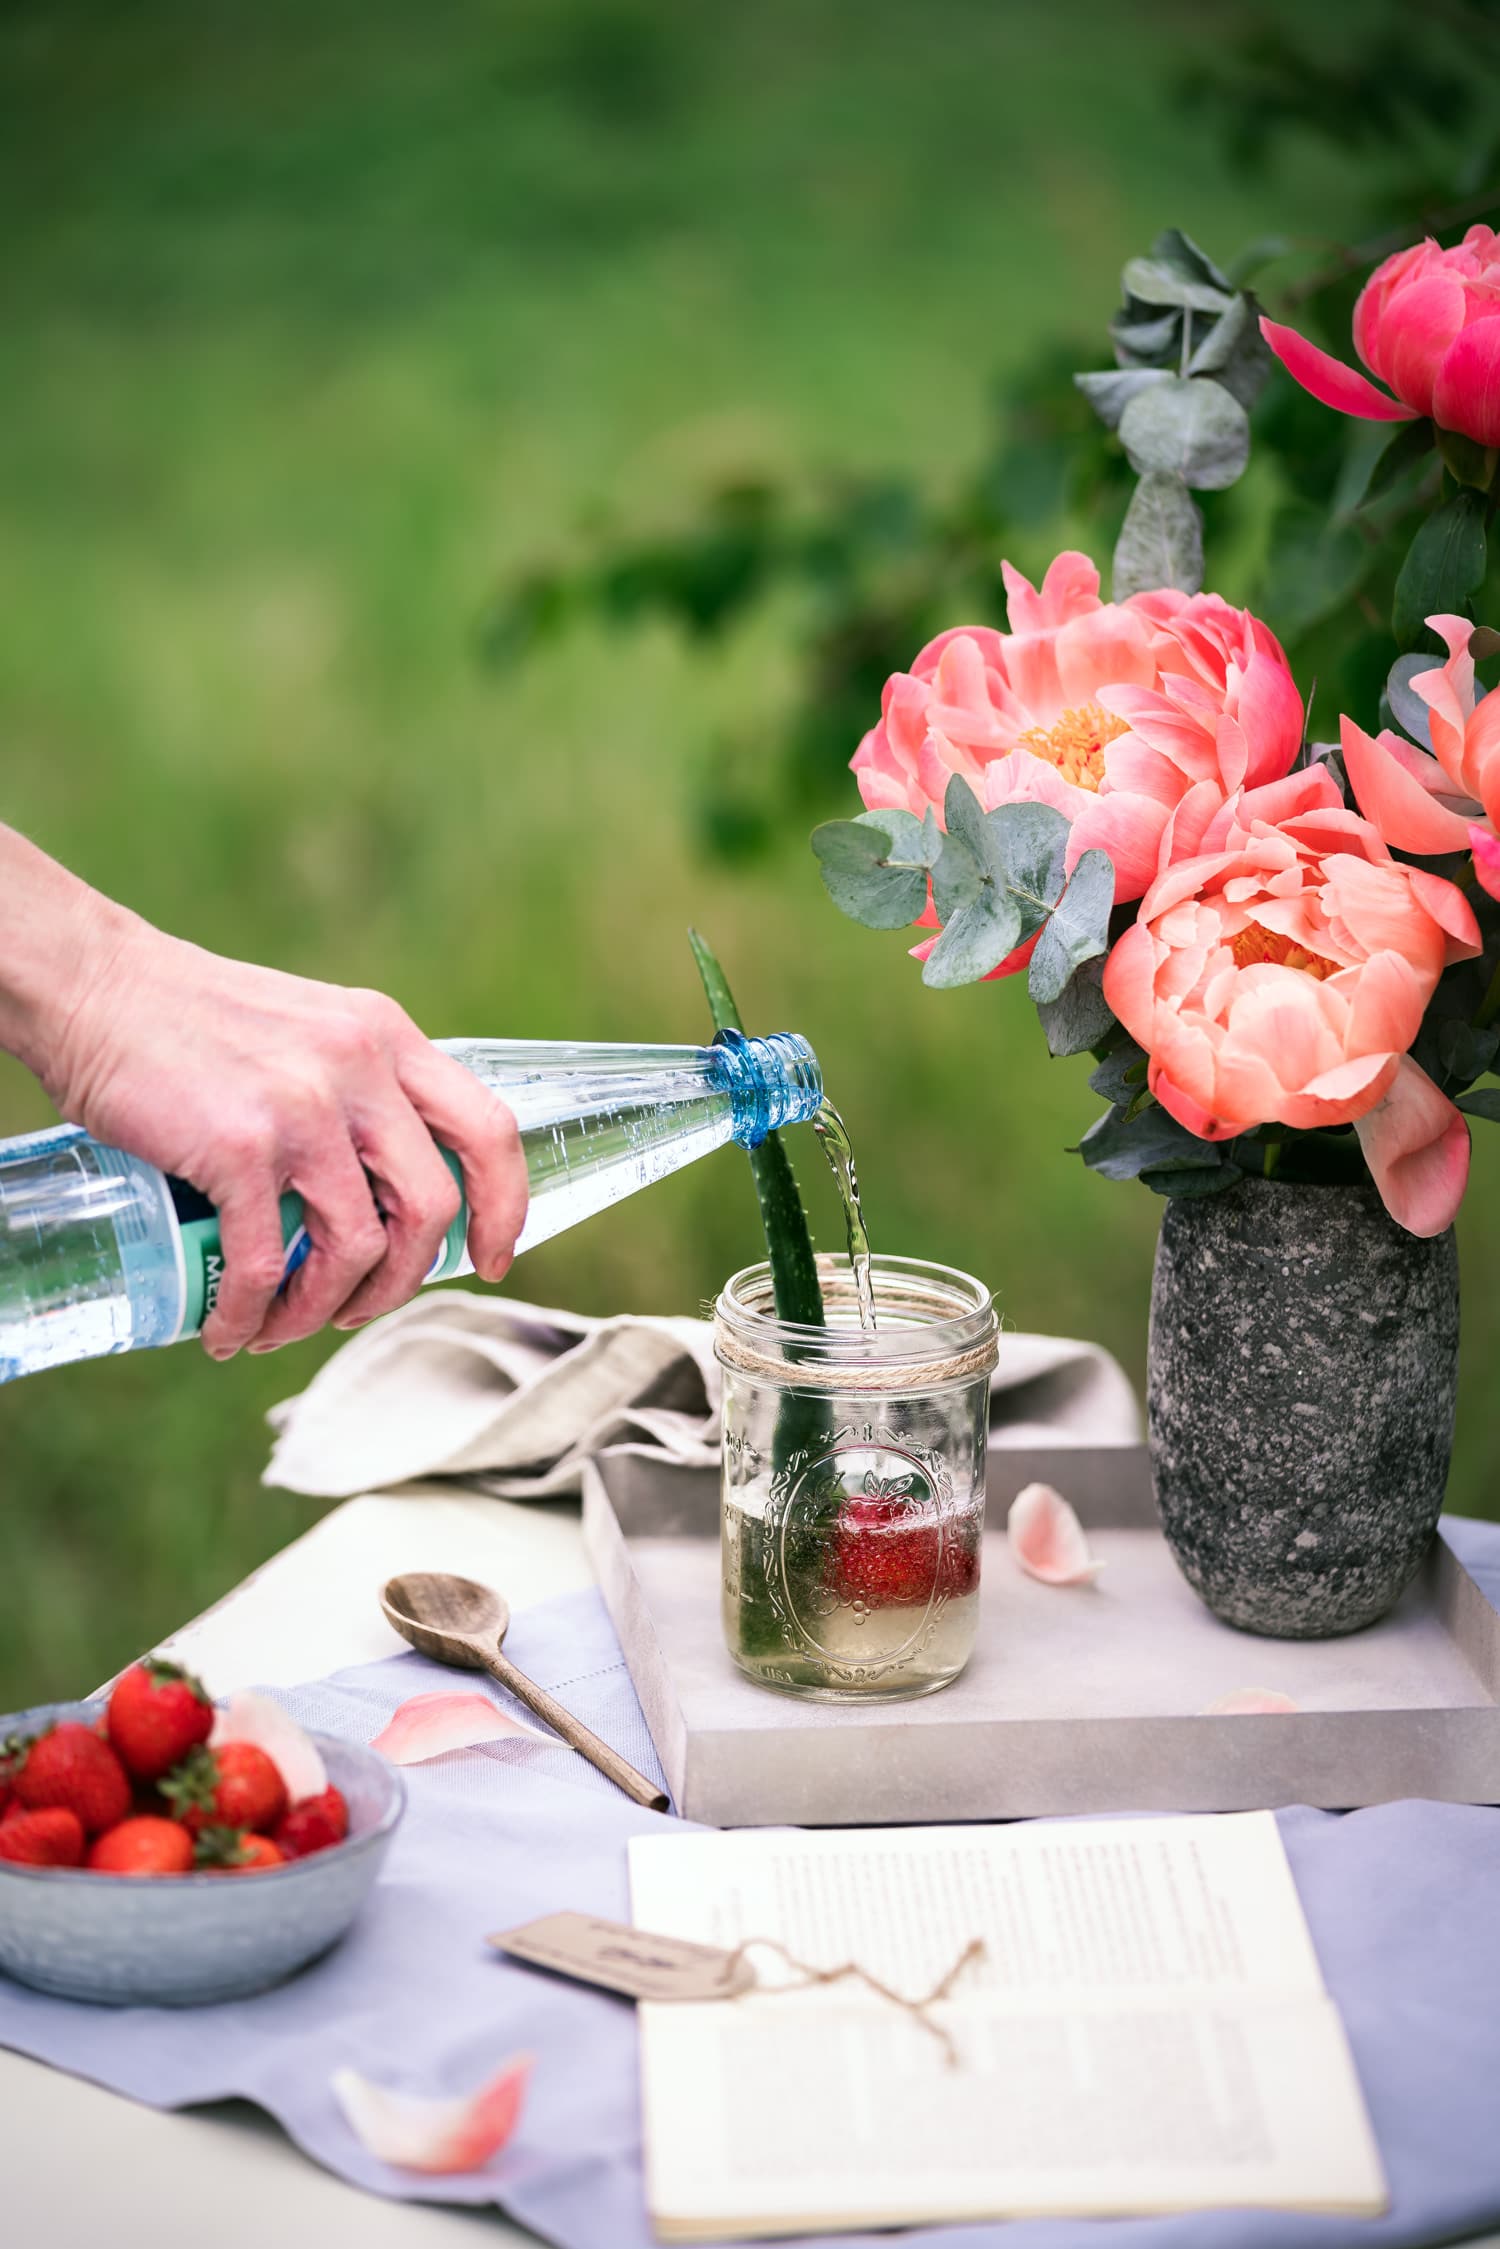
[924,1312]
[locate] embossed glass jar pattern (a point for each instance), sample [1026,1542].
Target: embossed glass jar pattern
[853,1481]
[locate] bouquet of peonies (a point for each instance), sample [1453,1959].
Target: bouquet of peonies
[1284,955]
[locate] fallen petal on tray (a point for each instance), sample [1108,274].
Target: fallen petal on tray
[1047,1538]
[426,2135]
[432,1725]
[1251,1702]
[255,1718]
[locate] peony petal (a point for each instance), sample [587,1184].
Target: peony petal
[1128,828]
[1130,981]
[1250,1702]
[1270,711]
[1417,1147]
[1070,589]
[432,1725]
[1398,802]
[1466,394]
[1422,317]
[1329,380]
[294,1753]
[435,2136]
[1047,1538]
[1486,849]
[1451,910]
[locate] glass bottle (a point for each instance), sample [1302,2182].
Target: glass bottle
[100,1252]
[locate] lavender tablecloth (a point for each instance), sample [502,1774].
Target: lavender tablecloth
[1403,1901]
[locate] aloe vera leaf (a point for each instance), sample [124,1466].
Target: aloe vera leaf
[802,1424]
[794,1271]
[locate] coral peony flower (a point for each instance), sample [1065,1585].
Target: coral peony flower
[1426,324]
[1280,977]
[1448,802]
[1112,712]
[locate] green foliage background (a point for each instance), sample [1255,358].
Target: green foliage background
[319,326]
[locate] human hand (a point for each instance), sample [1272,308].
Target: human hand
[249,1083]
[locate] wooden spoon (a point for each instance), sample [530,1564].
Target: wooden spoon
[454,1620]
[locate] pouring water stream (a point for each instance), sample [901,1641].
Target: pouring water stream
[832,1131]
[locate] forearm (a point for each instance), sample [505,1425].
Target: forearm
[57,937]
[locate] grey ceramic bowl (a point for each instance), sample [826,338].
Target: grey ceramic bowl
[184,1940]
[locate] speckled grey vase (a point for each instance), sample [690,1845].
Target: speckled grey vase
[1302,1378]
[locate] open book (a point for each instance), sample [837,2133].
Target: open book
[1148,2030]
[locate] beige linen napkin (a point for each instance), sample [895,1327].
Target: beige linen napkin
[516,1398]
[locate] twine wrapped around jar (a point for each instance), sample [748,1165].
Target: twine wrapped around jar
[902,1375]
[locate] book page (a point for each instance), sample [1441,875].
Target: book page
[1149,2031]
[1087,1907]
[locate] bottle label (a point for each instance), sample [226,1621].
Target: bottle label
[203,1254]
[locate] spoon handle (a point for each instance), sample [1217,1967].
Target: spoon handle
[576,1734]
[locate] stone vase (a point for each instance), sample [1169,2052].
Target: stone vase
[1303,1372]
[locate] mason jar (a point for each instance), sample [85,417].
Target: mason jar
[853,1480]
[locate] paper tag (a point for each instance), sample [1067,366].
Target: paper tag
[635,1961]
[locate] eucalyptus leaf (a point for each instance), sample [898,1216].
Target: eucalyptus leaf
[1444,565]
[1466,1050]
[1192,1179]
[974,943]
[1110,392]
[1180,251]
[1155,281]
[1077,928]
[956,879]
[875,867]
[1407,707]
[1119,1146]
[1161,539]
[997,880]
[1145,339]
[1235,353]
[1121,1076]
[1030,843]
[1079,1019]
[1485,1103]
[1187,427]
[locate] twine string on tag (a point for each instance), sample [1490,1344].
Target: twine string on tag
[920,2008]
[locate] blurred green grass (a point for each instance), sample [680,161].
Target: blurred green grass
[315,323]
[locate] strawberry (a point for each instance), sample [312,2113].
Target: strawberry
[889,1550]
[157,1713]
[143,1846]
[235,1785]
[228,1850]
[53,1837]
[70,1766]
[315,1824]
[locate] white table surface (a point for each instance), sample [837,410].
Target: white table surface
[150,2175]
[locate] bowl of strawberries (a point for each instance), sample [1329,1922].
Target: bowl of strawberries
[157,1849]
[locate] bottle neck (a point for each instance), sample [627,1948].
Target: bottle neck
[771,1082]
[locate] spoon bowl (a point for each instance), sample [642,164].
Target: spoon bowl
[452,1619]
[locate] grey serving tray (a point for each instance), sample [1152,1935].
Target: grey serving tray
[1080,1699]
